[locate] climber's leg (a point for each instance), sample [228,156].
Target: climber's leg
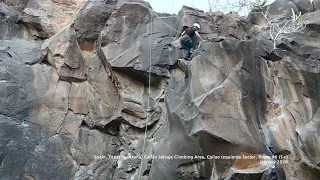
[189,48]
[186,44]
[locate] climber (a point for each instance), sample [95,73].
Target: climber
[186,41]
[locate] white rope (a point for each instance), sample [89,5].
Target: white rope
[149,96]
[149,89]
[163,21]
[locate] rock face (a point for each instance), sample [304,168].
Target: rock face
[90,20]
[76,101]
[126,39]
[306,6]
[8,19]
[41,18]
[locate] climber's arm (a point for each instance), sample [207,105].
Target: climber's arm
[198,35]
[182,33]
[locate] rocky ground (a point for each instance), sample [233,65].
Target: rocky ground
[75,92]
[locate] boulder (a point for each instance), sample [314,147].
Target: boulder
[254,166]
[97,98]
[208,107]
[18,5]
[18,141]
[91,20]
[257,18]
[8,22]
[282,7]
[280,10]
[23,87]
[231,25]
[19,85]
[127,41]
[306,6]
[188,16]
[56,151]
[287,93]
[309,20]
[90,150]
[213,24]
[309,134]
[64,53]
[50,16]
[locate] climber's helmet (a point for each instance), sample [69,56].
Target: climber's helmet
[196,25]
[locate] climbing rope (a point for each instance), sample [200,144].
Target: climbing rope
[149,86]
[152,12]
[149,93]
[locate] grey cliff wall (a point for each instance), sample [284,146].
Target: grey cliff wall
[75,92]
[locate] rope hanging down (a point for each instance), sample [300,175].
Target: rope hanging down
[149,93]
[152,12]
[149,88]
